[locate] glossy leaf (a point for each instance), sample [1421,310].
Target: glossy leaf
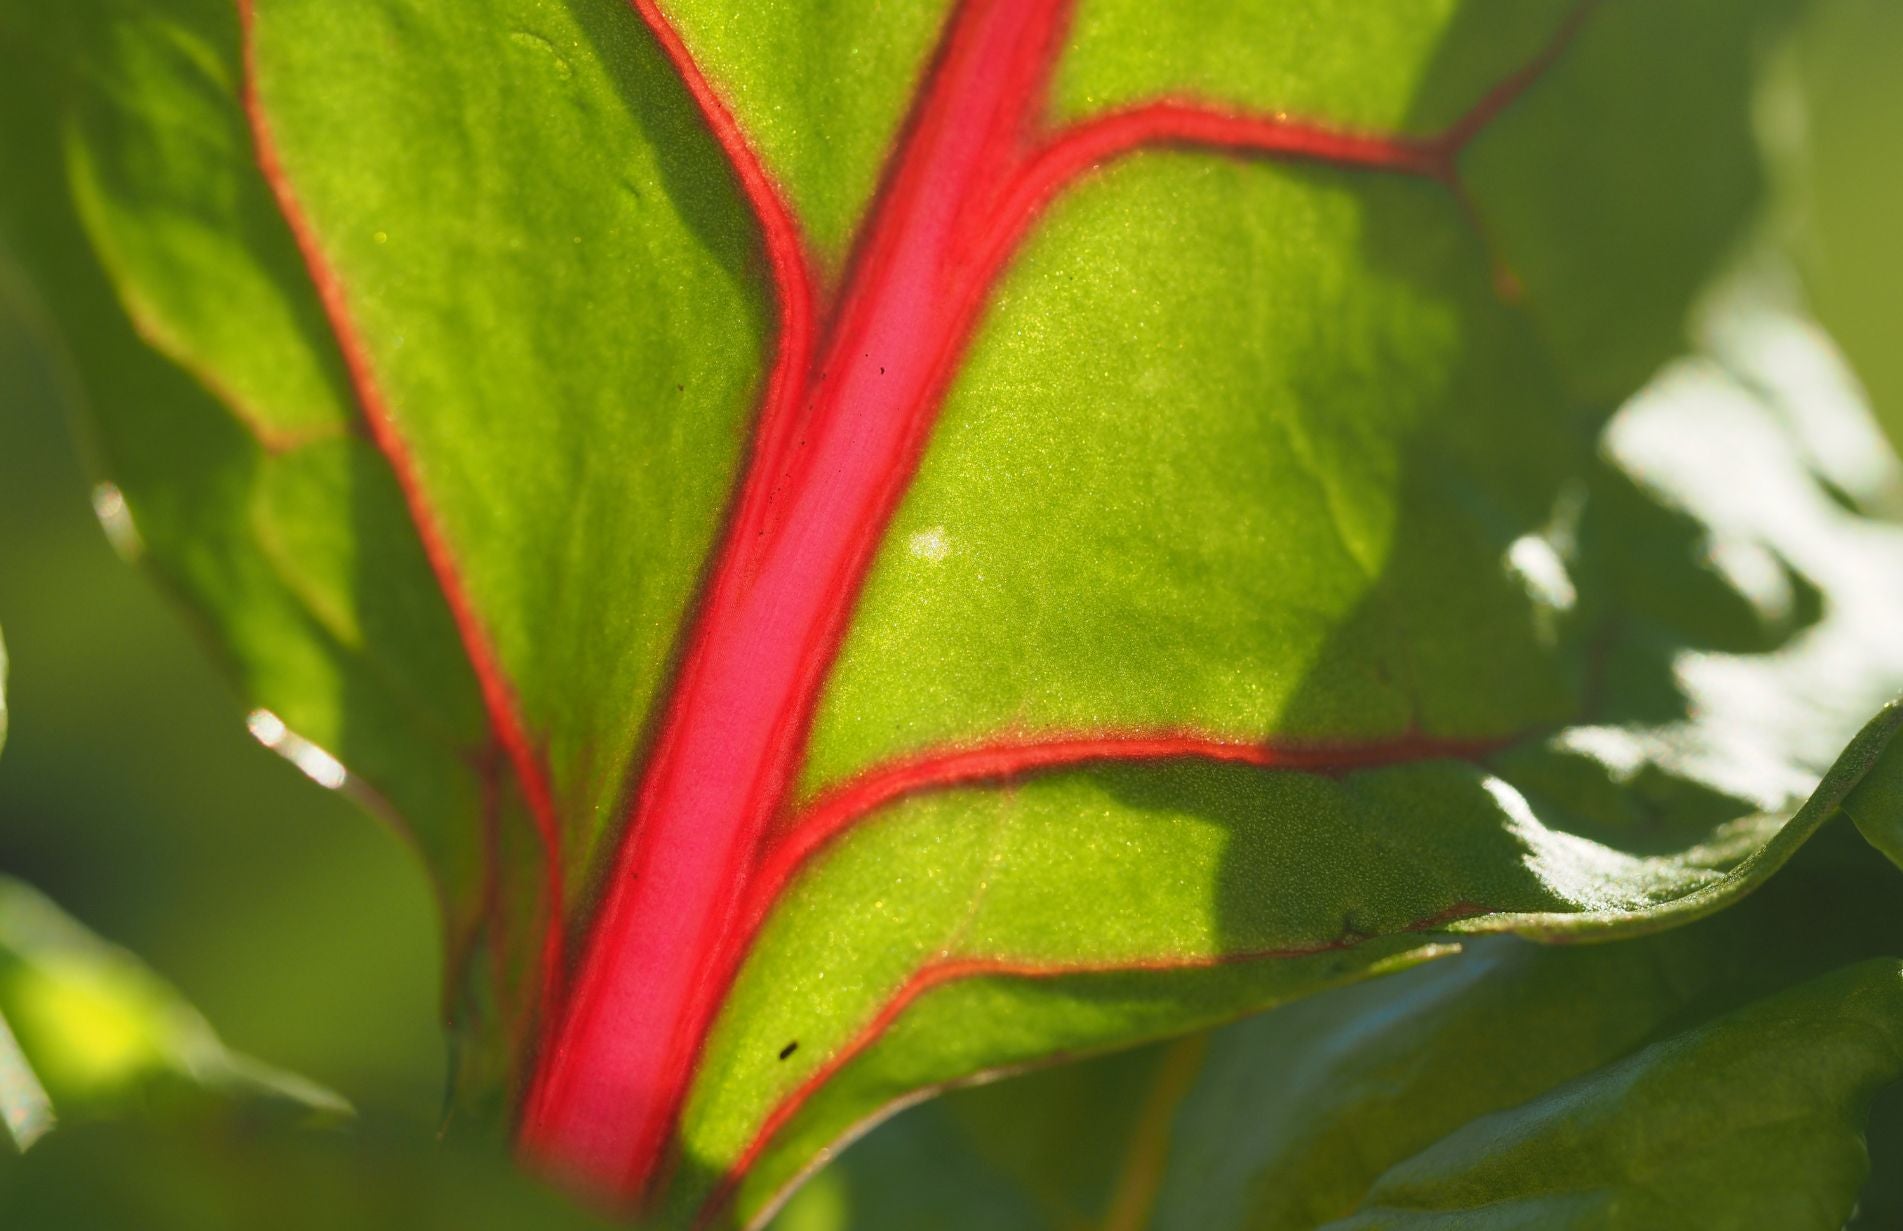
[1714,1076]
[1877,806]
[870,547]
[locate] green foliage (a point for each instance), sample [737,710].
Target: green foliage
[1717,1075]
[1294,455]
[1663,809]
[87,1031]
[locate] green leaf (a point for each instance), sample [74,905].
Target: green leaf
[88,1032]
[1310,549]
[1711,1076]
[1790,1077]
[24,1106]
[1616,827]
[1877,806]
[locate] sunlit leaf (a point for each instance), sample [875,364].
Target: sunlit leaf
[1715,1076]
[1204,509]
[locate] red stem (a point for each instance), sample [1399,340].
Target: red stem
[834,449]
[838,441]
[612,1079]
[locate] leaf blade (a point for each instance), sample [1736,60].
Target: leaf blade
[1294,1117]
[1439,514]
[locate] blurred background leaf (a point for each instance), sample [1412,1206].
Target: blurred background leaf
[114,1176]
[1848,185]
[131,793]
[88,1032]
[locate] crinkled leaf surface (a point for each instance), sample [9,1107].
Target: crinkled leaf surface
[1247,579]
[1714,1076]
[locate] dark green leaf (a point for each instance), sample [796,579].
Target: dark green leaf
[1753,1120]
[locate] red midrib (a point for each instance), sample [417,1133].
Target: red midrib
[614,1073]
[839,439]
[836,444]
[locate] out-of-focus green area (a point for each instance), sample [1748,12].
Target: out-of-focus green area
[131,793]
[1850,189]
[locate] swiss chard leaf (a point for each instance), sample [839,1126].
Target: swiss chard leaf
[1586,812]
[872,547]
[1717,1075]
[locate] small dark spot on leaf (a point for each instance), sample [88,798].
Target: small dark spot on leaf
[789,1049]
